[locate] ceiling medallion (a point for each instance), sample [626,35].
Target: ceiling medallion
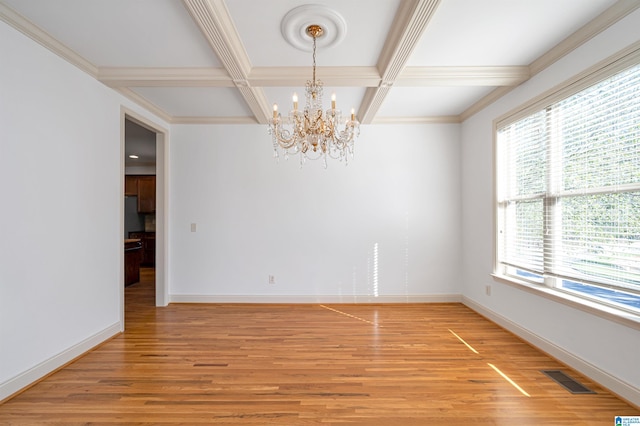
[295,23]
[312,133]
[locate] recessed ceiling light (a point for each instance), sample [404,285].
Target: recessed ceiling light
[133,156]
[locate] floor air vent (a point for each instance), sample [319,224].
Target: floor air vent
[566,382]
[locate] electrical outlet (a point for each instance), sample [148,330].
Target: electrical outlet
[487,290]
[272,279]
[193,227]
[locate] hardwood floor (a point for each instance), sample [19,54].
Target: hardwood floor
[409,364]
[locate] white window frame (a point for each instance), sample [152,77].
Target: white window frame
[617,63]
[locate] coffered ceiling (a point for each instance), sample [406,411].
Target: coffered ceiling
[228,61]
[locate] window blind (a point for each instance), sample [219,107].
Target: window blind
[568,189]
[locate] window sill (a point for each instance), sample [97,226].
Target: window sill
[607,312]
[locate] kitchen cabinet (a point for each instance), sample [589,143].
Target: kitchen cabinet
[143,187]
[131,185]
[149,255]
[132,259]
[146,194]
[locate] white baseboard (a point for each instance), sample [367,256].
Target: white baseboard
[39,371]
[619,387]
[431,298]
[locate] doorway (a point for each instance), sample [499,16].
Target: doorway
[143,208]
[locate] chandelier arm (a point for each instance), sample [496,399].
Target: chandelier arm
[279,136]
[286,143]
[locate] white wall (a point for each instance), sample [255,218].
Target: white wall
[604,349]
[61,217]
[315,230]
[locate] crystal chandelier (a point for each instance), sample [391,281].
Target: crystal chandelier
[311,133]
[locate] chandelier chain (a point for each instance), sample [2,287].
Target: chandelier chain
[314,59]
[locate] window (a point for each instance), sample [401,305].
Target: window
[568,191]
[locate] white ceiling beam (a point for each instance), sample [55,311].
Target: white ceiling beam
[445,119]
[462,76]
[330,76]
[409,24]
[214,20]
[165,77]
[218,77]
[213,120]
[297,76]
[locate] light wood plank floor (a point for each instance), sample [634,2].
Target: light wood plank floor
[308,364]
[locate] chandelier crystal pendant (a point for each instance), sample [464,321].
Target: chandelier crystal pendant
[312,133]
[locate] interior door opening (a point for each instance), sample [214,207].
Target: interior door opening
[143,213]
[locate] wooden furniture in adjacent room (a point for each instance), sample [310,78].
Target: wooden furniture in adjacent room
[148,240]
[131,185]
[147,194]
[144,187]
[132,260]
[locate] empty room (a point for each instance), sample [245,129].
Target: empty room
[341,212]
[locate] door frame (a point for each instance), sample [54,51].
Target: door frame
[162,257]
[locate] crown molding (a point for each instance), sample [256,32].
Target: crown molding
[43,38]
[412,17]
[453,119]
[330,76]
[445,119]
[485,101]
[619,61]
[463,76]
[164,77]
[143,102]
[619,10]
[213,120]
[409,24]
[247,93]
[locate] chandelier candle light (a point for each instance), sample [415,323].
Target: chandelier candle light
[311,133]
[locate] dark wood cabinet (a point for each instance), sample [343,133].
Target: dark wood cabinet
[146,194]
[148,240]
[131,185]
[144,187]
[132,259]
[149,255]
